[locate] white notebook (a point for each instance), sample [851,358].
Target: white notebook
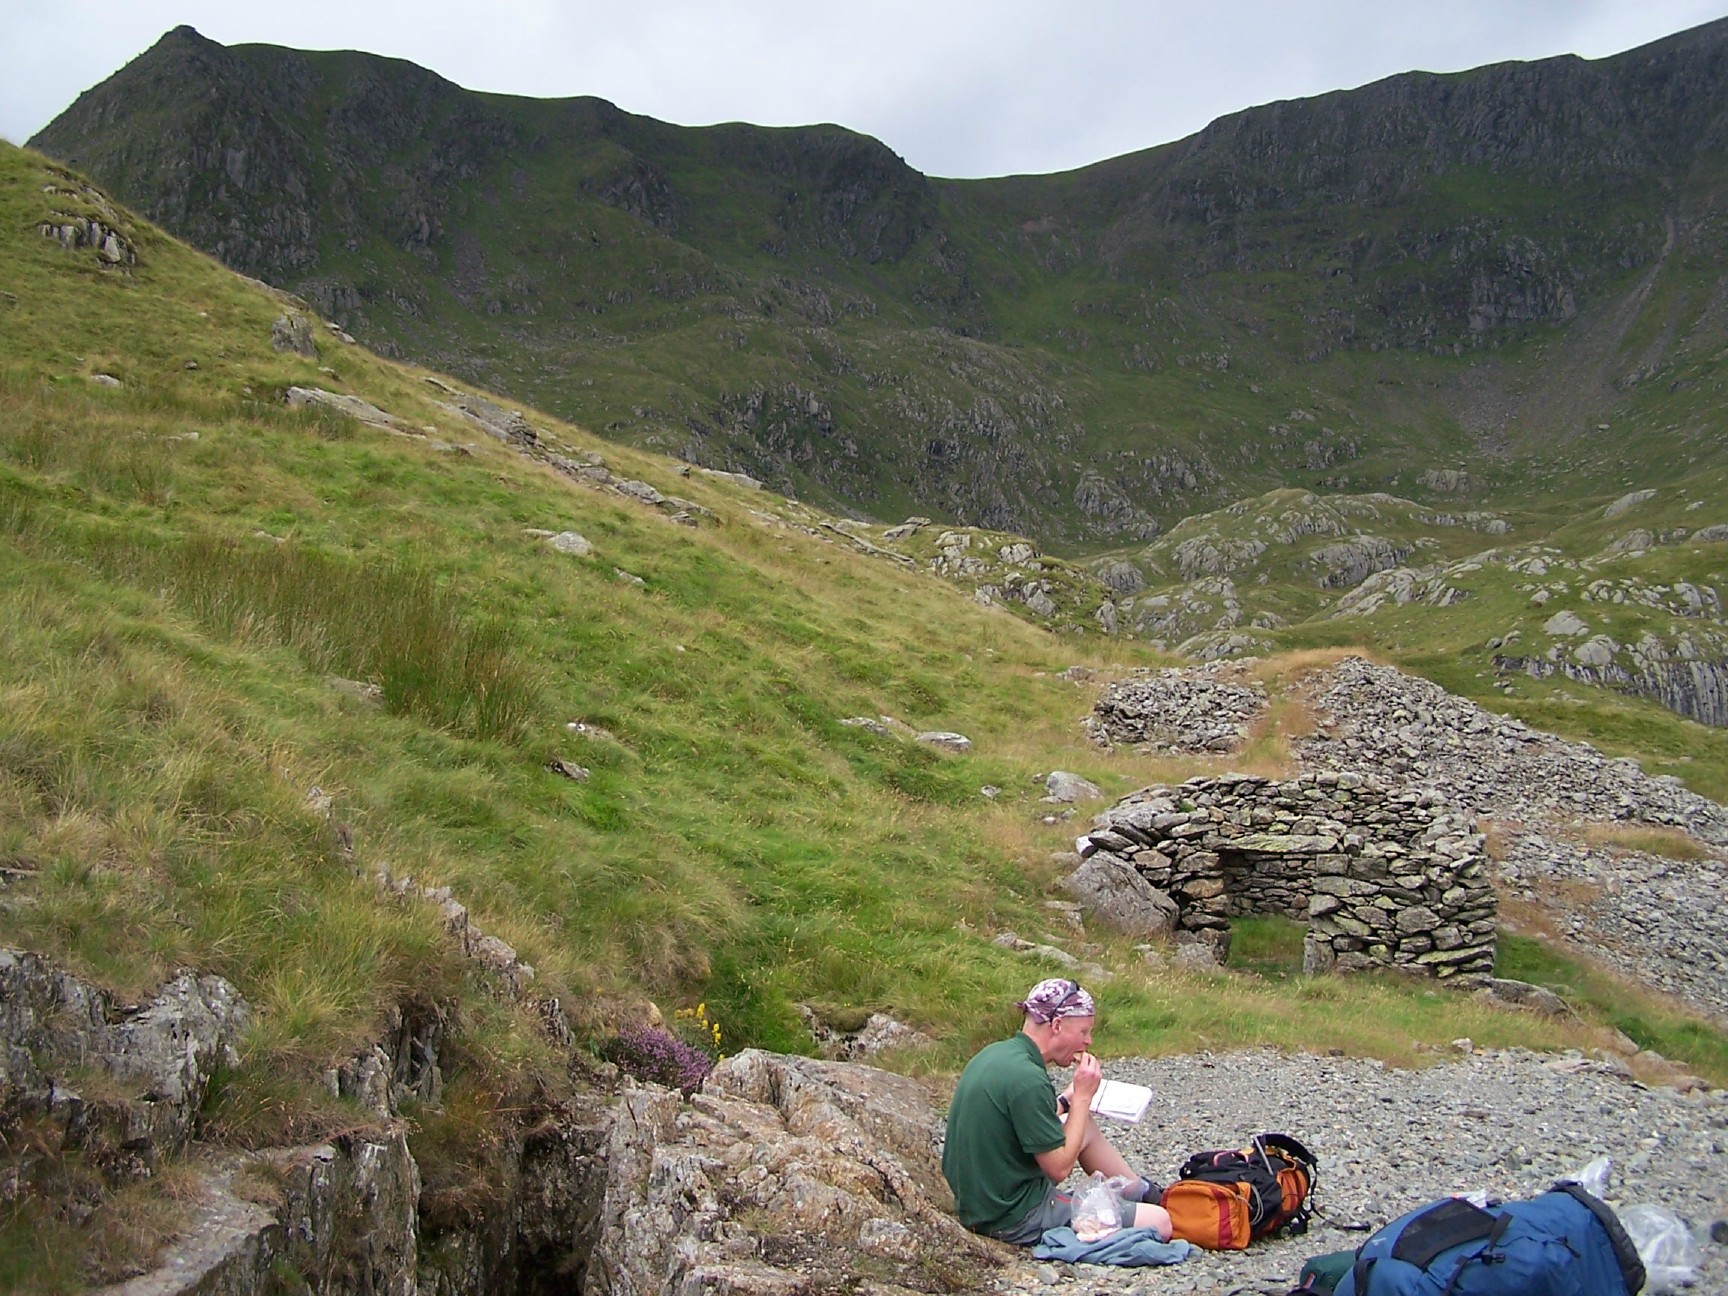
[1121,1101]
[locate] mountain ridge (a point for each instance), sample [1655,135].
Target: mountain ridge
[1084,357]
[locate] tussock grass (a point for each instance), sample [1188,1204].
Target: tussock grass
[1649,1019]
[1651,839]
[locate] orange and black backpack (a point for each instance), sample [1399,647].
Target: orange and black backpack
[1224,1200]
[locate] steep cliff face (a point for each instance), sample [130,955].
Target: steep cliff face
[1498,261]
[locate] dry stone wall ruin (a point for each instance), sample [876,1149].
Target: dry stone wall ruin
[1385,877]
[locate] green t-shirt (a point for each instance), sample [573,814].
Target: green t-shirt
[1003,1115]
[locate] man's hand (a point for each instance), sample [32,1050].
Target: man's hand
[1088,1075]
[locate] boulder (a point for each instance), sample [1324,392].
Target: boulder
[1627,502]
[351,406]
[1112,891]
[1522,994]
[1067,788]
[946,741]
[572,543]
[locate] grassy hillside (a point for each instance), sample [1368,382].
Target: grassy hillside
[211,604]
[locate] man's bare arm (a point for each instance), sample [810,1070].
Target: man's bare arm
[1058,1161]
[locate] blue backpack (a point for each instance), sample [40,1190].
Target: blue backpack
[1562,1243]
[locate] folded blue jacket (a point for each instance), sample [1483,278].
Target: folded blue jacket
[1129,1246]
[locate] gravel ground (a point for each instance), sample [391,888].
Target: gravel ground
[1505,1122]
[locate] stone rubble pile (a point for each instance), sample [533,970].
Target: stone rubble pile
[1203,709]
[1661,921]
[1385,877]
[1383,722]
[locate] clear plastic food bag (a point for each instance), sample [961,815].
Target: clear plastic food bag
[1097,1211]
[1593,1178]
[1670,1254]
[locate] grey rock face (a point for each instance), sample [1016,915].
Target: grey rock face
[1350,562]
[1690,686]
[346,1221]
[293,332]
[163,1052]
[843,1158]
[953,742]
[1120,577]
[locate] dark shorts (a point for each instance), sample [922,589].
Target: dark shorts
[1055,1211]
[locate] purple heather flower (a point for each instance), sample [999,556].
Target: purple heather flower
[654,1054]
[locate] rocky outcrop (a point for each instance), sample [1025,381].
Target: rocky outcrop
[1350,562]
[1689,676]
[293,333]
[783,1175]
[780,1175]
[73,232]
[156,1059]
[341,404]
[1384,877]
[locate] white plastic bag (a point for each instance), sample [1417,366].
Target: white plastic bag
[1671,1257]
[1097,1212]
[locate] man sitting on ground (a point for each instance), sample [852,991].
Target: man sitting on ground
[1009,1147]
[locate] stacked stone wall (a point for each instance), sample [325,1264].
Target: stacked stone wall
[1385,877]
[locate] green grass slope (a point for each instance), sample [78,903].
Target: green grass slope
[211,604]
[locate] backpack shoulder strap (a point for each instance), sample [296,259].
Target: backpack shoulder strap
[1290,1146]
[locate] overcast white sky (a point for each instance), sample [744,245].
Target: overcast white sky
[957,87]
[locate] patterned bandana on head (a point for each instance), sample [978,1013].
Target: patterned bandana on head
[1057,997]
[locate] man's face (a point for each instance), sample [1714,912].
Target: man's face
[1071,1036]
